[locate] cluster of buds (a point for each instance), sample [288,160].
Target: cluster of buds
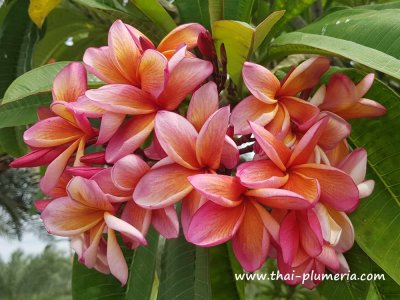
[121,158]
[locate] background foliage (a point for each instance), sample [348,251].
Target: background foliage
[360,35]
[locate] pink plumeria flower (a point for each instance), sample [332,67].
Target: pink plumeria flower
[274,103]
[290,169]
[55,139]
[189,153]
[342,97]
[87,210]
[164,85]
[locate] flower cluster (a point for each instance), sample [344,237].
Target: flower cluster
[289,202]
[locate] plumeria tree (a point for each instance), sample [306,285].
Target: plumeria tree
[185,143]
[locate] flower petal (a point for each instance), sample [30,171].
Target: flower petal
[138,217]
[112,193]
[70,83]
[230,153]
[304,76]
[289,237]
[110,122]
[254,110]
[115,258]
[163,186]
[66,217]
[152,71]
[165,221]
[203,104]
[365,108]
[365,84]
[261,174]
[211,139]
[124,228]
[124,52]
[310,232]
[270,223]
[366,188]
[122,99]
[185,34]
[129,137]
[98,62]
[337,188]
[305,186]
[355,164]
[88,193]
[177,137]
[187,75]
[51,132]
[275,149]
[336,130]
[38,157]
[213,224]
[127,172]
[251,241]
[261,82]
[305,147]
[192,202]
[221,189]
[301,112]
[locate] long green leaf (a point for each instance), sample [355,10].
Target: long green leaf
[17,38]
[293,8]
[222,270]
[238,10]
[11,141]
[193,11]
[156,13]
[184,271]
[369,37]
[377,219]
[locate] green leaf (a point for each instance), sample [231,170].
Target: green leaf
[184,271]
[369,37]
[66,25]
[29,91]
[293,8]
[193,11]
[17,38]
[142,270]
[223,266]
[239,10]
[156,13]
[93,285]
[11,141]
[377,219]
[240,46]
[109,10]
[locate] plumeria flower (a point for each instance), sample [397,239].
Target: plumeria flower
[125,175]
[164,85]
[55,139]
[303,249]
[290,169]
[342,97]
[119,62]
[87,210]
[189,153]
[275,103]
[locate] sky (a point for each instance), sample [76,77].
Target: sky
[30,244]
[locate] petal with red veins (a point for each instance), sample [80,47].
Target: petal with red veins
[211,139]
[177,137]
[301,112]
[213,224]
[365,108]
[338,189]
[163,186]
[124,228]
[336,130]
[152,72]
[203,104]
[129,137]
[305,186]
[310,232]
[254,110]
[192,202]
[186,76]
[113,194]
[289,237]
[115,258]
[251,241]
[185,34]
[270,223]
[261,174]
[221,189]
[70,83]
[138,217]
[127,172]
[275,149]
[110,122]
[122,99]
[165,221]
[261,82]
[230,153]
